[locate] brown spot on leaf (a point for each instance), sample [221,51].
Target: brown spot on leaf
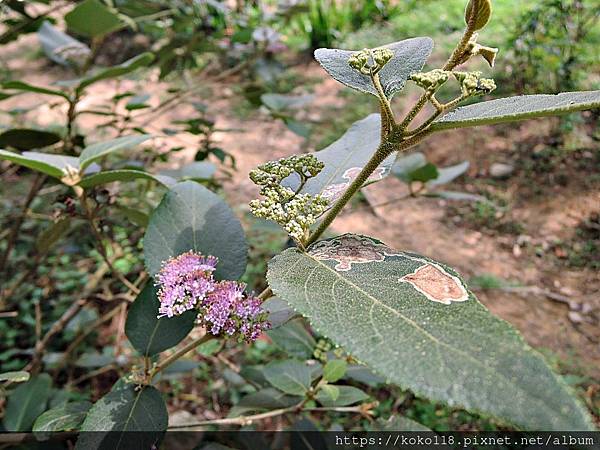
[437,284]
[350,249]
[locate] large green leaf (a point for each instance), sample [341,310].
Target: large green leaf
[93,19]
[190,217]
[110,176]
[116,71]
[127,417]
[413,320]
[96,151]
[47,163]
[344,159]
[409,57]
[26,87]
[27,402]
[65,417]
[27,138]
[510,109]
[150,335]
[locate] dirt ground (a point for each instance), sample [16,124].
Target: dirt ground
[541,311]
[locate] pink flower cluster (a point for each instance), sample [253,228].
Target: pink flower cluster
[186,282]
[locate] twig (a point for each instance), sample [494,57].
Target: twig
[14,233]
[82,335]
[71,312]
[247,420]
[90,217]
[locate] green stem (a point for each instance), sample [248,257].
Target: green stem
[178,354]
[384,150]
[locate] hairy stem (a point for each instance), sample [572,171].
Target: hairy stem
[384,150]
[178,354]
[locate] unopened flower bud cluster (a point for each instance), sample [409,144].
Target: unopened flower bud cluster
[431,80]
[321,349]
[370,61]
[295,212]
[473,84]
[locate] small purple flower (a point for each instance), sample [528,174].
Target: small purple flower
[186,282]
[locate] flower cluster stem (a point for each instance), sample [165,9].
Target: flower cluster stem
[178,354]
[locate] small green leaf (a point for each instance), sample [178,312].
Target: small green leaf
[67,417]
[47,163]
[482,10]
[94,152]
[410,56]
[448,174]
[330,391]
[93,360]
[291,377]
[28,139]
[348,395]
[136,217]
[52,234]
[93,19]
[280,102]
[423,174]
[27,402]
[294,339]
[431,334]
[129,416]
[124,68]
[523,107]
[364,375]
[19,376]
[335,370]
[190,217]
[407,164]
[110,176]
[26,87]
[264,400]
[299,128]
[150,335]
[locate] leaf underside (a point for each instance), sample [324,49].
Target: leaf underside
[344,159]
[410,56]
[522,107]
[368,301]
